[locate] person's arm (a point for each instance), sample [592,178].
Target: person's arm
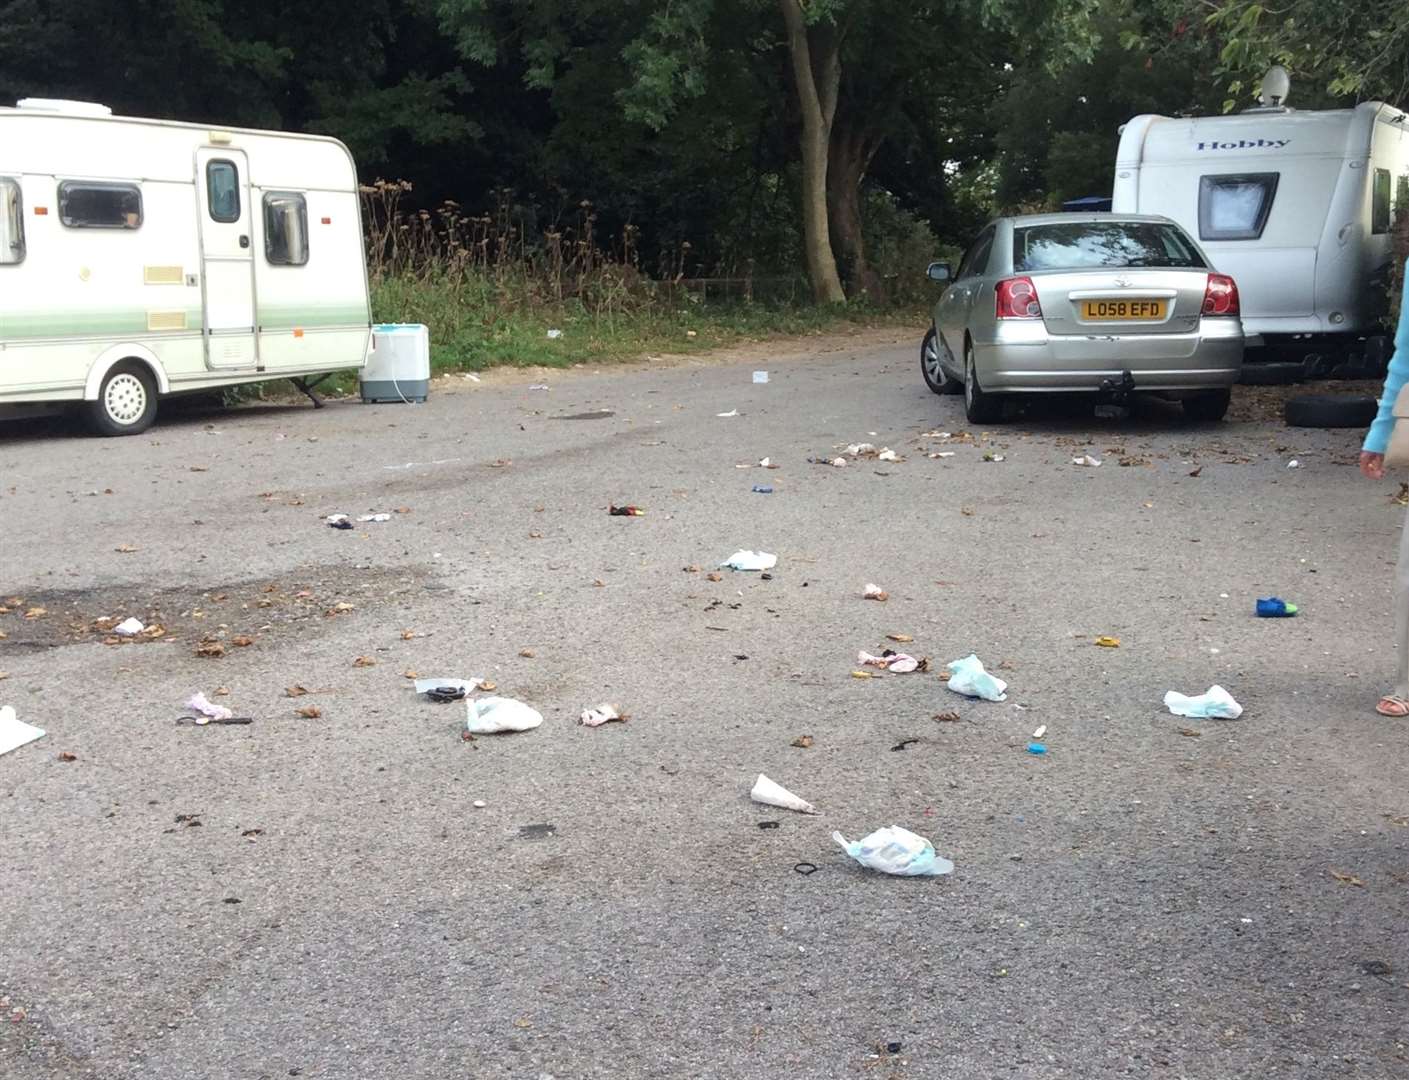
[1377,439]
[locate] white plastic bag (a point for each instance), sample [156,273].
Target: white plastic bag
[968,677]
[750,560]
[894,850]
[494,714]
[1216,704]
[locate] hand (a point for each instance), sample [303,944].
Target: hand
[1372,465]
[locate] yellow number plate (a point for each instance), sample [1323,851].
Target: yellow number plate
[1122,310]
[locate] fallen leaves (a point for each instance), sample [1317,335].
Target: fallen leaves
[1401,499]
[947,717]
[1200,469]
[1106,642]
[527,654]
[295,691]
[210,649]
[714,577]
[242,641]
[342,607]
[1190,733]
[902,639]
[500,463]
[36,613]
[803,742]
[364,661]
[411,635]
[66,756]
[124,549]
[309,712]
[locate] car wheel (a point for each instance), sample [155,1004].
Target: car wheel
[1279,374]
[979,407]
[127,401]
[1211,405]
[1331,411]
[932,367]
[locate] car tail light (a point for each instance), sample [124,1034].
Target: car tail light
[1221,296]
[1017,299]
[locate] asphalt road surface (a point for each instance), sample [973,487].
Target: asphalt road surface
[319,896]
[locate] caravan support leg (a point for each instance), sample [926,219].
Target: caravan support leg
[308,388]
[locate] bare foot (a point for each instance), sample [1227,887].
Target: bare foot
[1392,706]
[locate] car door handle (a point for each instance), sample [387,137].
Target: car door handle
[244,241]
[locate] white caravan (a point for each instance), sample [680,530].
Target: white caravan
[143,258]
[1296,206]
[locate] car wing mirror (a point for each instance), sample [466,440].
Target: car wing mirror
[939,271]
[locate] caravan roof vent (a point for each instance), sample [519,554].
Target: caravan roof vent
[61,105]
[1276,85]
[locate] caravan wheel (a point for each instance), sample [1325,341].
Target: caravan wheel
[127,401]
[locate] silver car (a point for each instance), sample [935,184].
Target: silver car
[1093,303]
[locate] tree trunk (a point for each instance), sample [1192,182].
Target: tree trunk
[849,156]
[818,78]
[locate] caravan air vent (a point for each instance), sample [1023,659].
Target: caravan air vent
[60,105]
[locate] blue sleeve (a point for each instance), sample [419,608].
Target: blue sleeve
[1378,437]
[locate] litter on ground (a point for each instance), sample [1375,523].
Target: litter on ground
[1215,704]
[1274,607]
[890,660]
[770,793]
[602,714]
[197,702]
[727,415]
[375,517]
[968,677]
[129,627]
[1086,461]
[1108,642]
[898,851]
[462,686]
[874,592]
[760,376]
[14,732]
[626,511]
[750,560]
[487,716]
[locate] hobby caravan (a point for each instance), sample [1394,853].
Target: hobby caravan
[1298,207]
[145,258]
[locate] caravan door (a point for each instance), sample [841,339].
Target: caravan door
[227,259]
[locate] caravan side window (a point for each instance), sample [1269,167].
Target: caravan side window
[285,228]
[1235,207]
[11,223]
[92,205]
[1380,204]
[222,190]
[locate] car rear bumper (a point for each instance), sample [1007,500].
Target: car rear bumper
[1024,358]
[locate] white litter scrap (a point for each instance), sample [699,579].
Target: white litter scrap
[1040,732]
[872,591]
[898,851]
[335,519]
[726,415]
[760,376]
[943,454]
[858,449]
[887,455]
[750,560]
[555,334]
[375,517]
[198,703]
[14,732]
[1087,461]
[488,716]
[1215,704]
[129,628]
[1294,464]
[602,714]
[839,463]
[770,793]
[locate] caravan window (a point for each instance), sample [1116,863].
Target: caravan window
[1380,205]
[222,190]
[85,205]
[1235,207]
[11,223]
[285,228]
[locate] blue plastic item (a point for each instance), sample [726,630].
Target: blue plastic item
[763,489]
[1036,748]
[1274,607]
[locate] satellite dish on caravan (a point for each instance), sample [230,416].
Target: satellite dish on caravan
[1276,84]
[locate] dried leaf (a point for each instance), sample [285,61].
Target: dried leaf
[947,717]
[295,691]
[1197,471]
[500,463]
[409,674]
[1190,733]
[903,639]
[199,468]
[304,595]
[364,661]
[714,577]
[1347,879]
[527,654]
[967,511]
[864,675]
[222,691]
[1402,499]
[403,510]
[692,569]
[309,712]
[598,583]
[210,649]
[243,641]
[151,633]
[35,613]
[1108,642]
[124,549]
[487,686]
[342,607]
[66,756]
[535,536]
[803,742]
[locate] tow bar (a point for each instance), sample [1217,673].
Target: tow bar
[1115,394]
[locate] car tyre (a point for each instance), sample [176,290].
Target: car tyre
[1331,411]
[1212,405]
[127,401]
[931,367]
[979,406]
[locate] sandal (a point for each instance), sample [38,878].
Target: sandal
[1393,705]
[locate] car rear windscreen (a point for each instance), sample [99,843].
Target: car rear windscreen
[1079,245]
